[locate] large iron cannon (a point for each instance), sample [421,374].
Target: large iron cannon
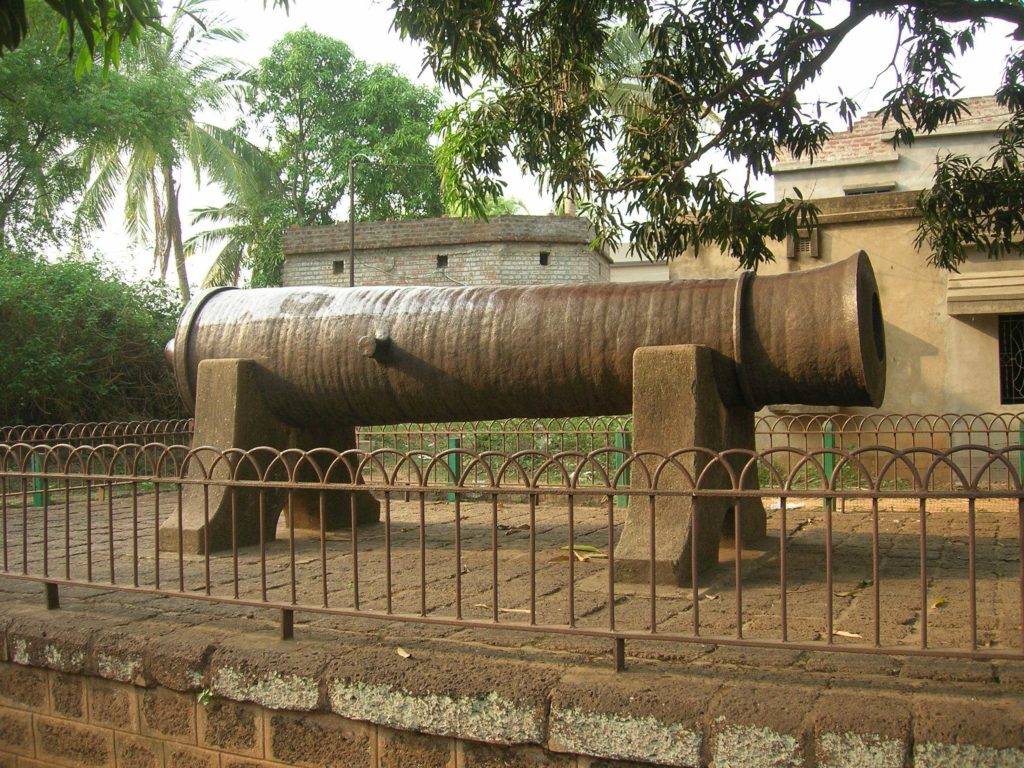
[320,361]
[362,356]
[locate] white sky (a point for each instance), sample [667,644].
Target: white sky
[365,25]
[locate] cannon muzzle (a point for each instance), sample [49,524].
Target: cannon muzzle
[383,355]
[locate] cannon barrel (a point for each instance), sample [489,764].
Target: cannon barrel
[384,355]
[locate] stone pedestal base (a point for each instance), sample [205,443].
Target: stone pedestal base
[231,413]
[677,404]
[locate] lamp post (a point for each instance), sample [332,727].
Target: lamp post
[352,217]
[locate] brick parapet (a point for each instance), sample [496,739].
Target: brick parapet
[507,250]
[868,137]
[88,690]
[444,232]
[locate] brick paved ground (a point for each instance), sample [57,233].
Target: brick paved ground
[998,585]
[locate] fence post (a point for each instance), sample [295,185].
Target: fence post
[454,461]
[623,440]
[36,465]
[828,460]
[1020,453]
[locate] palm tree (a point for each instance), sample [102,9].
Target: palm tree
[246,230]
[619,79]
[620,72]
[147,166]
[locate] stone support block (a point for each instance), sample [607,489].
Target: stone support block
[397,749]
[231,727]
[677,404]
[67,695]
[231,413]
[114,705]
[182,756]
[131,751]
[22,687]
[16,731]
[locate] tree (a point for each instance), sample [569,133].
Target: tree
[80,344]
[501,206]
[246,231]
[92,27]
[314,106]
[532,71]
[182,80]
[45,110]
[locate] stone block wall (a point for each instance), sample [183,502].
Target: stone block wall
[509,250]
[52,719]
[86,689]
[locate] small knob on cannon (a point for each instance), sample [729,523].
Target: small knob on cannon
[375,346]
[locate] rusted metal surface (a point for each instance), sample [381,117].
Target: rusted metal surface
[363,356]
[490,556]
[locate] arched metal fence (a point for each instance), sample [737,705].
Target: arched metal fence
[526,540]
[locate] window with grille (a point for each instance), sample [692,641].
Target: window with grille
[1011,359]
[804,245]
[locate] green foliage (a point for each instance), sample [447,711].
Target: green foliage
[44,109]
[177,79]
[82,345]
[500,206]
[712,80]
[315,106]
[318,106]
[977,203]
[246,231]
[92,27]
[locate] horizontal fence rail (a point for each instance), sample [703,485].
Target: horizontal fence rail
[803,431]
[170,431]
[876,549]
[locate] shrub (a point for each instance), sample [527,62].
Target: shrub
[78,343]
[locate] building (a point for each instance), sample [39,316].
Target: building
[505,250]
[862,161]
[955,342]
[632,269]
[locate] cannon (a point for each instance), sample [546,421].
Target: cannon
[692,359]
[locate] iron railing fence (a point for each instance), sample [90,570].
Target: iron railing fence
[169,431]
[63,438]
[942,432]
[923,568]
[802,431]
